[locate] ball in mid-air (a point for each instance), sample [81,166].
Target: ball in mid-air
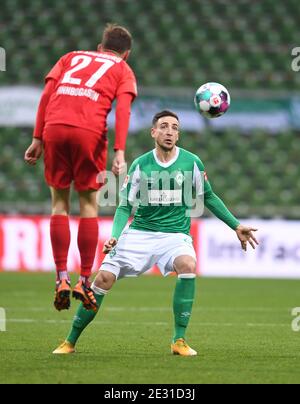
[212,100]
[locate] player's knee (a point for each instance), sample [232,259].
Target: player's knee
[60,201]
[88,210]
[61,209]
[188,269]
[185,265]
[88,204]
[105,280]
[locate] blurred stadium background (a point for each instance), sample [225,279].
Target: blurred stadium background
[251,155]
[178,46]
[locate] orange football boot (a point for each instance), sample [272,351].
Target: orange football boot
[62,295]
[84,293]
[180,347]
[65,348]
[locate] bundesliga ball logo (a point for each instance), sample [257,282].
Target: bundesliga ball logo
[212,100]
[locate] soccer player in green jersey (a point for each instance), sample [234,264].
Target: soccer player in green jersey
[163,185]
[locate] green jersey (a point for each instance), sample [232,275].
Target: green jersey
[165,193]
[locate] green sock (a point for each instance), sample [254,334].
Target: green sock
[82,319]
[183,303]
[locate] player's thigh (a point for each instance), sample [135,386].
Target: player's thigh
[89,157]
[177,249]
[57,158]
[133,255]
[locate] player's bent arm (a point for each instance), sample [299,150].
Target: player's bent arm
[121,218]
[130,188]
[40,119]
[219,209]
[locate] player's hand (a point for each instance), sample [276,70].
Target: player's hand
[109,245]
[119,163]
[245,235]
[34,152]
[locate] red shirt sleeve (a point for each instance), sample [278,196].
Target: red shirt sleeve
[57,70]
[127,83]
[123,110]
[40,119]
[51,79]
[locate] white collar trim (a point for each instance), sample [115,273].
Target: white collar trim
[169,163]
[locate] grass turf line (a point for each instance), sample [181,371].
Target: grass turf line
[241,329]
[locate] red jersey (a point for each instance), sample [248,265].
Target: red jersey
[86,85]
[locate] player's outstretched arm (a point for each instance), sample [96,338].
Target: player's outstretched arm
[219,209]
[245,235]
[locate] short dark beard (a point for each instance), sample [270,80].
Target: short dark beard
[165,149]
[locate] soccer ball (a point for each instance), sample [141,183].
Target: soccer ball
[212,100]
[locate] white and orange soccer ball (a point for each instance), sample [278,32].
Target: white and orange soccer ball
[212,100]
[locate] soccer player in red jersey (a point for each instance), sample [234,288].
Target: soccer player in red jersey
[71,129]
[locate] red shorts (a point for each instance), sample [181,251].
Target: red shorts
[74,154]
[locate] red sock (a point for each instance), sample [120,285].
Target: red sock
[60,240]
[87,244]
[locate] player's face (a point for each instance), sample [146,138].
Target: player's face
[166,132]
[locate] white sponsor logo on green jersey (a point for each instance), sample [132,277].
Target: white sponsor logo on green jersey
[165,197]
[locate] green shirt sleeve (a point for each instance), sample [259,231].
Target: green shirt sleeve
[127,196]
[201,181]
[219,209]
[211,200]
[120,220]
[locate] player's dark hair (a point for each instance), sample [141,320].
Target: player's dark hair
[116,38]
[162,114]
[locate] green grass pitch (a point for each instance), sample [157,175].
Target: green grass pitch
[241,329]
